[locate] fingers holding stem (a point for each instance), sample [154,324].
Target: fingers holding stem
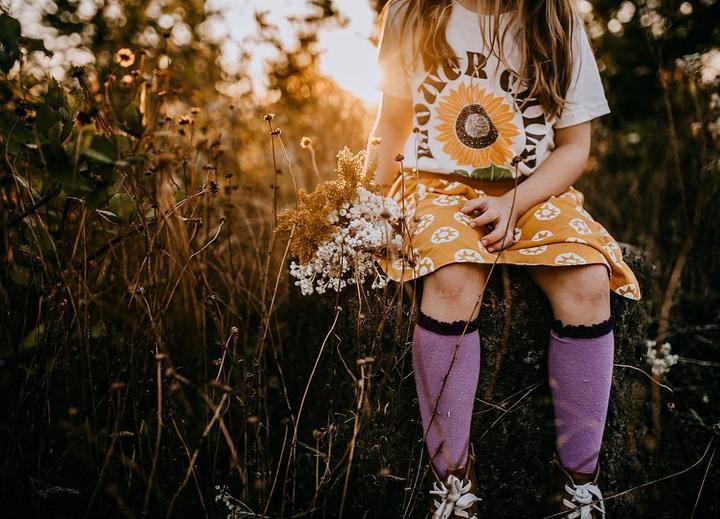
[496,217]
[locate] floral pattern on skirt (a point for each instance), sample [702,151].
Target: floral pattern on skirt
[558,232]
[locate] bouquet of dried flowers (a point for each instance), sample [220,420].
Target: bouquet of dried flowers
[338,231]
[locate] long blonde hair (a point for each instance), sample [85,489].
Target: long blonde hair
[545,29]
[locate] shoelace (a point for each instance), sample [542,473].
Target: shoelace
[584,500]
[456,499]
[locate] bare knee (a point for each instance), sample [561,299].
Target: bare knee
[453,292]
[578,295]
[454,281]
[588,286]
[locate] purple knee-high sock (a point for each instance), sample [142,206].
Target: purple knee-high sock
[446,411]
[580,364]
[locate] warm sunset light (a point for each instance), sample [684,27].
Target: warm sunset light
[346,52]
[233,284]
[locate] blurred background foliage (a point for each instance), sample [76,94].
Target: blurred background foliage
[138,193]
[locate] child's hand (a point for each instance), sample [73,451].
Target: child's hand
[496,215]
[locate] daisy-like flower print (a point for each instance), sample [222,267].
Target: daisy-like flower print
[424,266]
[468,256]
[421,191]
[569,258]
[630,291]
[401,264]
[583,212]
[517,234]
[462,218]
[408,206]
[452,185]
[542,235]
[613,250]
[547,211]
[533,251]
[423,223]
[574,239]
[444,235]
[579,226]
[571,195]
[446,201]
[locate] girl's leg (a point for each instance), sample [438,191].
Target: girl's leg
[580,361]
[446,360]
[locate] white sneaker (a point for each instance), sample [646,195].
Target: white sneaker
[583,501]
[456,499]
[586,502]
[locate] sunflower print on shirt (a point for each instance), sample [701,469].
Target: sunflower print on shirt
[476,130]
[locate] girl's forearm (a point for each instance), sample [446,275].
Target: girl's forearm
[387,139]
[560,170]
[385,143]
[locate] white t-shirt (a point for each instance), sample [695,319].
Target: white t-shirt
[469,115]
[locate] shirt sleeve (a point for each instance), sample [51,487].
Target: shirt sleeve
[392,54]
[585,98]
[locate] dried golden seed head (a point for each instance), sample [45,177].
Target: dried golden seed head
[305,142]
[126,80]
[125,57]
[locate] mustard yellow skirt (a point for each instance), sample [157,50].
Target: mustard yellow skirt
[558,232]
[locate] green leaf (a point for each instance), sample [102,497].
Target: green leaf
[37,236]
[98,330]
[179,196]
[16,132]
[33,338]
[61,169]
[97,197]
[55,132]
[55,96]
[6,62]
[36,44]
[133,120]
[10,39]
[66,130]
[46,118]
[64,114]
[123,144]
[101,149]
[9,32]
[122,205]
[97,156]
[20,275]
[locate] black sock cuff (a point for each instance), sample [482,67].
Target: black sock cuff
[442,328]
[582,331]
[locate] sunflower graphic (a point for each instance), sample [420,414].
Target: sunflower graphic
[477,127]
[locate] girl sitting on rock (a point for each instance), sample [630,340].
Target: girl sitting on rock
[490,103]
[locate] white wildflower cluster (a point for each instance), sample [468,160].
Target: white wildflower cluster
[237,509]
[660,360]
[364,232]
